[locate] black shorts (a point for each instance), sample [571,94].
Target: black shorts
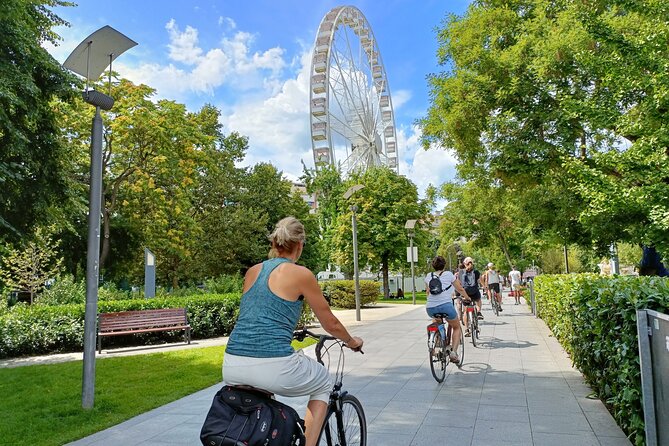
[494,287]
[474,295]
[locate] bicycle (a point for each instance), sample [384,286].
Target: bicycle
[496,307]
[472,320]
[345,423]
[440,349]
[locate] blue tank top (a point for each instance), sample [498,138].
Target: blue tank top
[266,322]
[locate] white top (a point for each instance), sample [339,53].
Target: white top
[434,300]
[515,277]
[493,276]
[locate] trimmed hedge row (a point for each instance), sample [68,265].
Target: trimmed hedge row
[594,318]
[42,329]
[341,293]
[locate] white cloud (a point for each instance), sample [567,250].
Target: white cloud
[277,125]
[228,22]
[191,69]
[399,98]
[424,167]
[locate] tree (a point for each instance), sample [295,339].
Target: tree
[27,269]
[31,158]
[386,202]
[568,97]
[328,187]
[152,155]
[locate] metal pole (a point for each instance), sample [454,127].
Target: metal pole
[533,302]
[413,280]
[647,386]
[615,263]
[355,264]
[92,263]
[566,260]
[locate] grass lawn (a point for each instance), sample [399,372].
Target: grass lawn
[41,404]
[421,299]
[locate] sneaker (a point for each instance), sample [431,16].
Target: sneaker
[500,309]
[480,317]
[454,357]
[468,334]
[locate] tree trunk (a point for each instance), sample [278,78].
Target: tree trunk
[505,248]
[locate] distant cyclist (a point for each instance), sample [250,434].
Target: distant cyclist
[469,278]
[443,301]
[493,280]
[515,279]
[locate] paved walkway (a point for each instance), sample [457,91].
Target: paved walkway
[516,388]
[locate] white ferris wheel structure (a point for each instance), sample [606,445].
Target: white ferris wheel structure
[351,111]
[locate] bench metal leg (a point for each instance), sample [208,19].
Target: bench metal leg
[187,335]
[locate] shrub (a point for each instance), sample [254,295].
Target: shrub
[40,329]
[63,291]
[341,293]
[224,284]
[594,318]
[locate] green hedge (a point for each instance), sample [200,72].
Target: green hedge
[341,293]
[594,318]
[42,329]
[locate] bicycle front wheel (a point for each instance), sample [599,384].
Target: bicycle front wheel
[438,358]
[348,427]
[473,326]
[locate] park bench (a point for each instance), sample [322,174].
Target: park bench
[142,321]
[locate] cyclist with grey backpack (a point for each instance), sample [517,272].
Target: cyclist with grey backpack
[440,285]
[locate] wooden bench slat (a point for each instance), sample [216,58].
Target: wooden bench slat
[142,321]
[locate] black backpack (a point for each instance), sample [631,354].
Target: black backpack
[435,284]
[241,417]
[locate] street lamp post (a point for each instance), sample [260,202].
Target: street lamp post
[409,226]
[89,59]
[354,225]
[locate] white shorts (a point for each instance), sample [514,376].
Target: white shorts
[294,375]
[516,286]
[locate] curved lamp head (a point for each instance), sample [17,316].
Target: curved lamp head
[351,190]
[97,51]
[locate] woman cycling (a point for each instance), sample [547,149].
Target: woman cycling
[259,351]
[443,302]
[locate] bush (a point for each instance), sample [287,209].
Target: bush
[224,284]
[41,329]
[63,291]
[341,293]
[594,318]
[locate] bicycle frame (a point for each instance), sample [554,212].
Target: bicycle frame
[337,396]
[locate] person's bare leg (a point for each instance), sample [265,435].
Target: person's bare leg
[455,336]
[316,411]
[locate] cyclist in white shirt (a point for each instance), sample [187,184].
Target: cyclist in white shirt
[515,278]
[443,302]
[493,281]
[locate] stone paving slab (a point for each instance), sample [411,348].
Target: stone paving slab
[516,388]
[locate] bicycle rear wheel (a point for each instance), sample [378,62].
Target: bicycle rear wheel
[473,326]
[438,358]
[462,348]
[348,427]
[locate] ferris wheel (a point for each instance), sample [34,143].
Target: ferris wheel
[352,119]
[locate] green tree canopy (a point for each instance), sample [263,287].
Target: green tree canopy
[31,158]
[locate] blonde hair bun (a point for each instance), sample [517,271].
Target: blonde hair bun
[287,233]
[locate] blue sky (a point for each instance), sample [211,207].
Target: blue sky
[251,59]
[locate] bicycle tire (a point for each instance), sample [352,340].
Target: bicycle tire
[473,326]
[495,305]
[438,358]
[350,428]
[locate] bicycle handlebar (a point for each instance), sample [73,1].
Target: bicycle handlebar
[322,338]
